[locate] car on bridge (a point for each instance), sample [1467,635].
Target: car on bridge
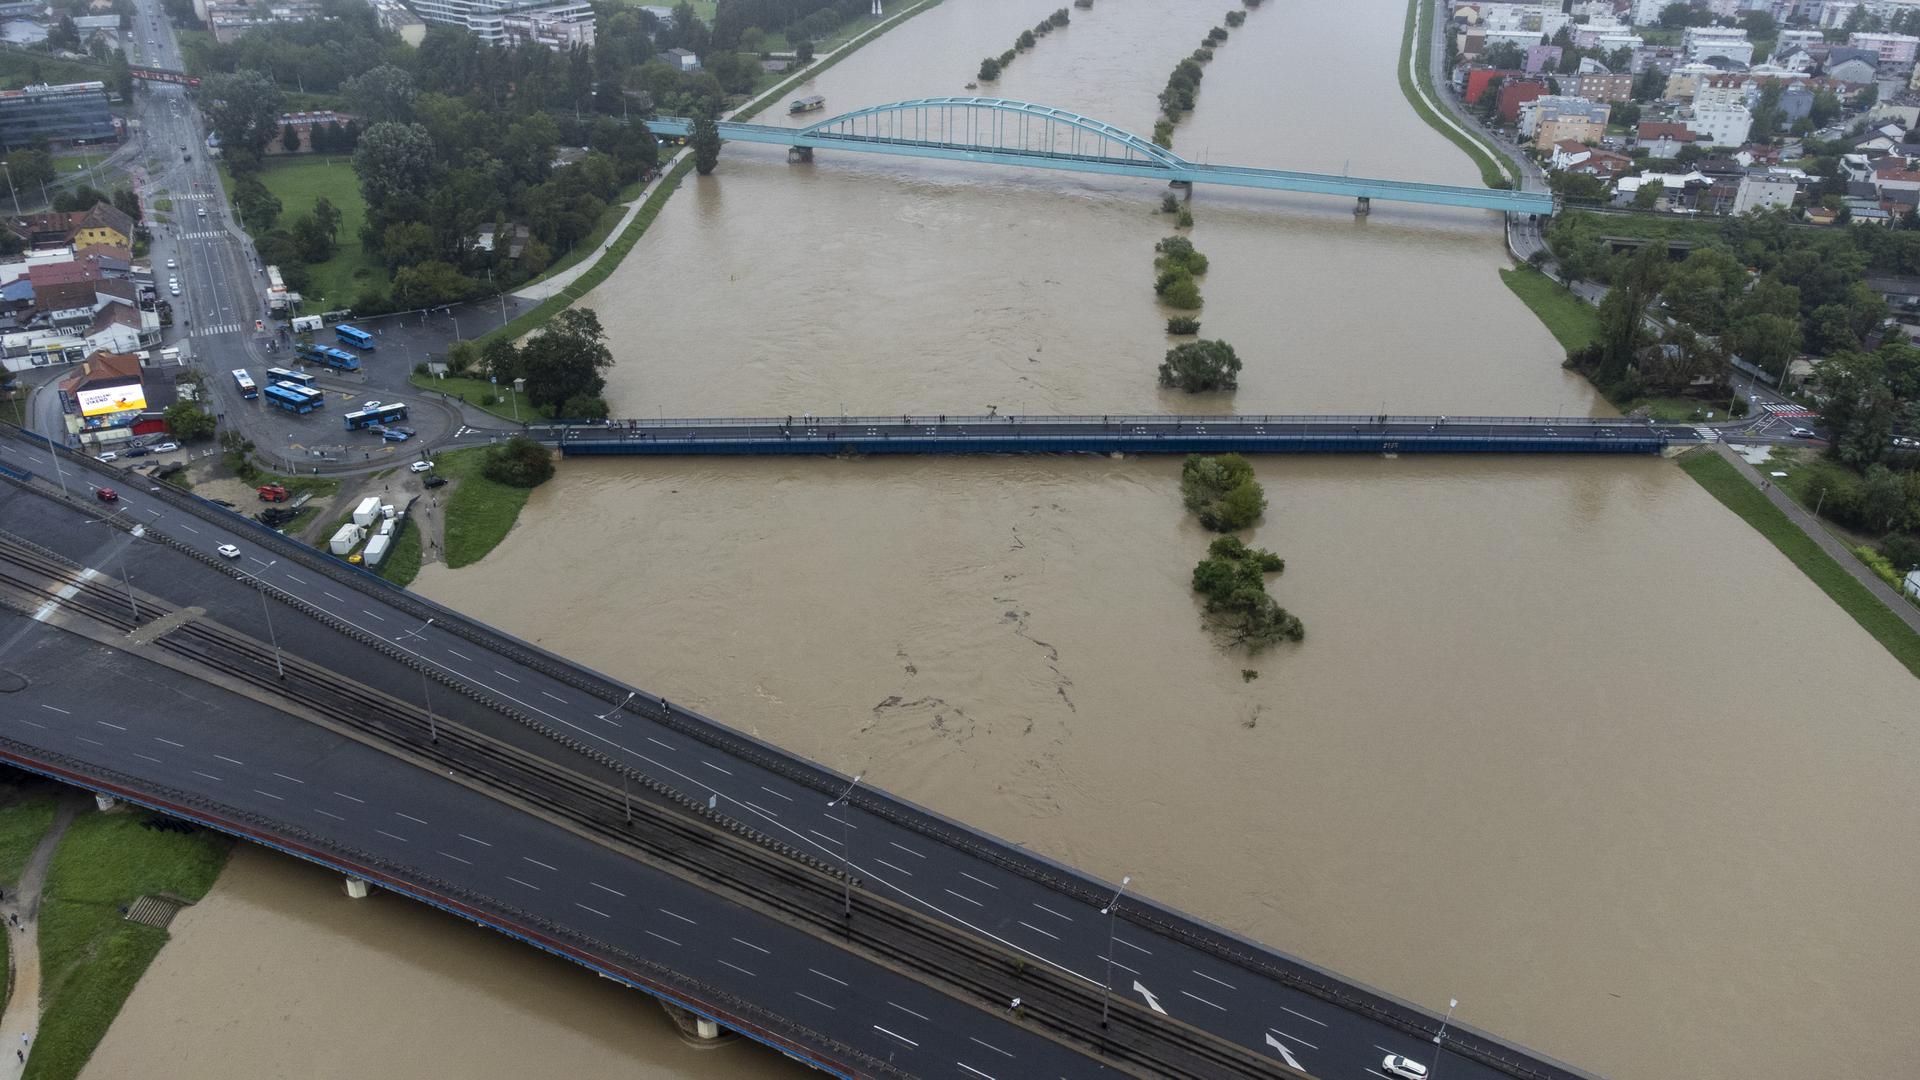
[1404,1068]
[106,495]
[231,552]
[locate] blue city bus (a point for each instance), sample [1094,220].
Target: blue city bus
[391,413]
[245,382]
[295,399]
[280,374]
[337,359]
[354,336]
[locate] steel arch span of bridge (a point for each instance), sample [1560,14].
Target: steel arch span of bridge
[998,131]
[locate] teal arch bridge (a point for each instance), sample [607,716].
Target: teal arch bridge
[997,131]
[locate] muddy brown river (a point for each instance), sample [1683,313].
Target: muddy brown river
[1566,740]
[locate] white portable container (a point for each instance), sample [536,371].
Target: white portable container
[368,509]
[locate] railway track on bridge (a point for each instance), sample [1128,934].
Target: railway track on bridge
[659,826]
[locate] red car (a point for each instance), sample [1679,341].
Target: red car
[107,495]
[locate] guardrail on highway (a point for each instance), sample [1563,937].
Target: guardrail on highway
[1262,959]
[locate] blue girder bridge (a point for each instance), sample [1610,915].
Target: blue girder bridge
[1163,434]
[998,131]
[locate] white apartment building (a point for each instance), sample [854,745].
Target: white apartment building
[1763,193]
[1893,48]
[1702,42]
[1720,125]
[558,26]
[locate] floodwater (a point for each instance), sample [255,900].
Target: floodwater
[1566,740]
[276,974]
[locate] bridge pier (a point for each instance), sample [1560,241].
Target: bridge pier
[357,889]
[105,802]
[1184,187]
[799,154]
[1363,207]
[697,1030]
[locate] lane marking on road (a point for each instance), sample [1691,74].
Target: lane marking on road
[1202,1000]
[1118,964]
[540,864]
[108,723]
[973,1070]
[841,820]
[1132,946]
[475,839]
[149,757]
[762,809]
[662,937]
[208,775]
[284,776]
[827,977]
[555,697]
[657,742]
[504,675]
[775,794]
[330,596]
[1295,1038]
[1053,913]
[757,948]
[896,1035]
[187,527]
[396,836]
[1211,979]
[1152,1002]
[64,712]
[825,837]
[910,1012]
[235,761]
[718,769]
[355,798]
[528,884]
[461,655]
[329,813]
[1287,1055]
[1037,930]
[596,911]
[965,897]
[976,880]
[990,1046]
[269,794]
[32,723]
[895,869]
[604,888]
[295,580]
[95,742]
[410,817]
[908,850]
[738,968]
[456,858]
[815,1000]
[1303,1016]
[679,916]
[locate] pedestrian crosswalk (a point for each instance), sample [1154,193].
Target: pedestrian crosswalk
[1788,410]
[1707,434]
[204,234]
[195,195]
[219,328]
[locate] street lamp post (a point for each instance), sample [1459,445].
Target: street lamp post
[1110,911]
[426,692]
[620,706]
[1452,1004]
[267,608]
[846,848]
[11,190]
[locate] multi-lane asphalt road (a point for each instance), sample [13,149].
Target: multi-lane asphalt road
[1255,1002]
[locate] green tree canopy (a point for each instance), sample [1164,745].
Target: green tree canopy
[244,111]
[565,360]
[1196,366]
[1222,491]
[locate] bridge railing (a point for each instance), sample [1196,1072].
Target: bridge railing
[1103,421]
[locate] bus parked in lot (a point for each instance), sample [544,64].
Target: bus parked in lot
[354,336]
[282,375]
[295,399]
[390,413]
[245,382]
[337,359]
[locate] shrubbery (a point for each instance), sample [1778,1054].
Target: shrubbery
[1222,491]
[1233,579]
[1181,324]
[1196,366]
[518,462]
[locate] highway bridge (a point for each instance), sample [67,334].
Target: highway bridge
[1159,434]
[999,131]
[353,724]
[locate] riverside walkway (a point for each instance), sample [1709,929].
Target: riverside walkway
[1162,434]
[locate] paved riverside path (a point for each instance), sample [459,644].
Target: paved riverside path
[1829,543]
[22,1016]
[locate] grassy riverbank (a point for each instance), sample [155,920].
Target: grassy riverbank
[23,820]
[476,393]
[90,955]
[1734,491]
[1572,321]
[1496,169]
[480,512]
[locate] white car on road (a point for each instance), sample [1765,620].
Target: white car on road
[369,405]
[421,466]
[166,448]
[1405,1068]
[231,552]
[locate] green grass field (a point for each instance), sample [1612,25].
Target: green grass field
[90,956]
[1719,477]
[402,563]
[298,184]
[475,392]
[480,512]
[1572,321]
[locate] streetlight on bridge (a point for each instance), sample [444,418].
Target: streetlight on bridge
[1110,911]
[846,848]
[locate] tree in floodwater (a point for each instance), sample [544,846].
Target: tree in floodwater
[1233,578]
[1196,366]
[705,140]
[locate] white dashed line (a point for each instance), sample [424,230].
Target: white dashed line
[662,937]
[604,888]
[169,742]
[234,761]
[737,968]
[295,580]
[718,769]
[1057,915]
[910,1012]
[813,999]
[977,881]
[540,864]
[105,723]
[895,1034]
[756,948]
[841,820]
[1132,946]
[396,836]
[989,1046]
[825,837]
[1303,1016]
[657,742]
[149,757]
[1121,966]
[1202,1000]
[330,596]
[284,776]
[461,655]
[355,798]
[965,897]
[1295,1038]
[84,739]
[679,916]
[504,675]
[1211,979]
[456,858]
[895,869]
[64,712]
[269,794]
[596,911]
[475,839]
[410,817]
[208,775]
[758,809]
[775,794]
[555,697]
[382,618]
[528,884]
[906,849]
[329,813]
[973,1070]
[1037,930]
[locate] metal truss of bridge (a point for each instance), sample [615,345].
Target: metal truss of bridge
[1003,132]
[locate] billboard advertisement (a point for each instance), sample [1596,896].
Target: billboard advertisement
[101,400]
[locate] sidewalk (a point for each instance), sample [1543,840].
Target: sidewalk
[22,1017]
[1829,543]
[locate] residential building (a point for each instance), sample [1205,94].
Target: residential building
[1478,78]
[558,26]
[1570,156]
[1787,39]
[1663,140]
[68,113]
[1548,120]
[1763,193]
[1684,81]
[485,19]
[232,21]
[1853,71]
[1720,125]
[104,391]
[681,59]
[105,225]
[1895,177]
[1587,35]
[1793,58]
[1540,20]
[1892,48]
[1599,86]
[400,19]
[1701,42]
[1542,58]
[1515,95]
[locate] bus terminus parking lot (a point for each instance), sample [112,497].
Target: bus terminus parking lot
[354,336]
[245,382]
[282,375]
[390,413]
[295,398]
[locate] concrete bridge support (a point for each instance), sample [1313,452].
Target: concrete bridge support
[1184,187]
[105,802]
[697,1029]
[1363,207]
[357,889]
[797,155]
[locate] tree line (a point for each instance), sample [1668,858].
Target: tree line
[992,66]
